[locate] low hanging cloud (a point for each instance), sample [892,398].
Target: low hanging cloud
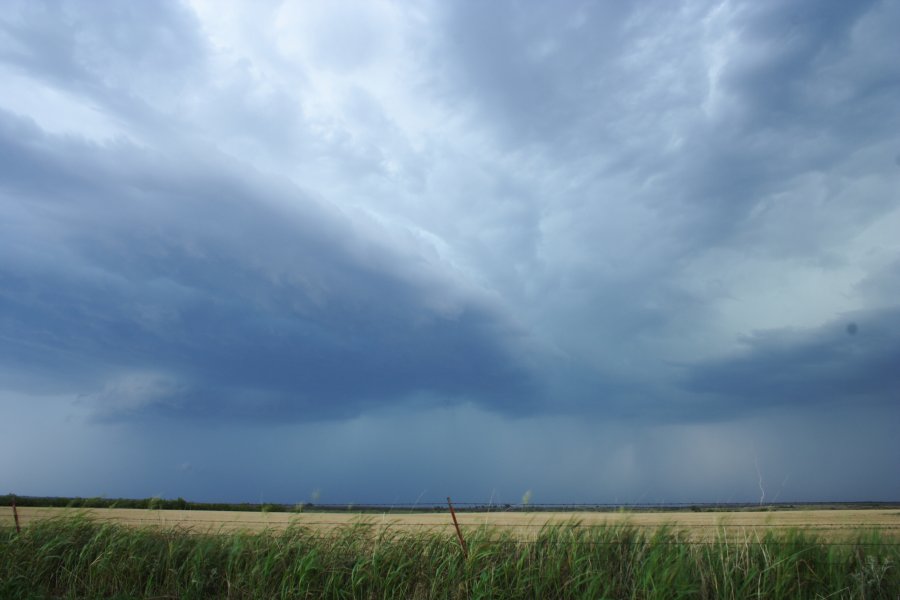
[852,362]
[583,227]
[197,292]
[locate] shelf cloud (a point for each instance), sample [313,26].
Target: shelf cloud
[395,237]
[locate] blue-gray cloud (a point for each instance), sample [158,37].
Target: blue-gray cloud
[852,361]
[231,295]
[126,58]
[645,219]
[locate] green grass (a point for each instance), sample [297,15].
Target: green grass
[78,558]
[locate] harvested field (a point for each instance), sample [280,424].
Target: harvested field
[831,524]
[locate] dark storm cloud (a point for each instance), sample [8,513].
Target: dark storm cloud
[628,250]
[853,361]
[199,291]
[664,129]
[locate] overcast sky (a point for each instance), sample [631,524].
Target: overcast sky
[393,251]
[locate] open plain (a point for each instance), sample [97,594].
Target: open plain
[831,524]
[140,553]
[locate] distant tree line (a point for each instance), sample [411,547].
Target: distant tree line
[157,503]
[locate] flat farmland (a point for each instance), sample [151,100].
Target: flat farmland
[830,524]
[137,553]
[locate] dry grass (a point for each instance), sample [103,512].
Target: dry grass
[831,524]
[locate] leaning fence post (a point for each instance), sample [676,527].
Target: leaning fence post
[462,542]
[16,514]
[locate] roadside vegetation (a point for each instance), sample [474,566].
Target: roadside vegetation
[75,557]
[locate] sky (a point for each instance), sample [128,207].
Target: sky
[592,252]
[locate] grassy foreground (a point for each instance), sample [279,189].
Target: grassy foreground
[78,558]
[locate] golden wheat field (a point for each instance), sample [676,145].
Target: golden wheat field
[699,525]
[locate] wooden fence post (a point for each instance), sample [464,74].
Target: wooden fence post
[462,542]
[16,514]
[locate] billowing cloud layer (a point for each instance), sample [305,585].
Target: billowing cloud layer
[851,361]
[205,290]
[641,215]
